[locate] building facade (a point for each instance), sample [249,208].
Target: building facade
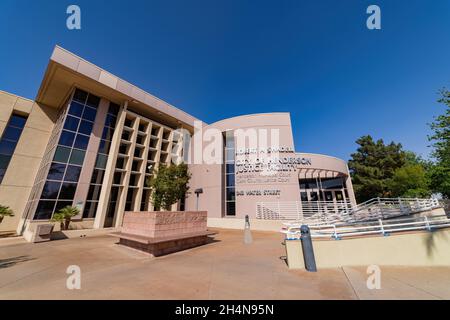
[91,140]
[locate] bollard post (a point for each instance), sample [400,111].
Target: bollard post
[247,233]
[308,250]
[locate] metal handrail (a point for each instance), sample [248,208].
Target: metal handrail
[292,230]
[314,212]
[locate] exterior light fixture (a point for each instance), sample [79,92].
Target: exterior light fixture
[198,192]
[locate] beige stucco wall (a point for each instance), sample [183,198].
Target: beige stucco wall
[19,178]
[210,177]
[408,249]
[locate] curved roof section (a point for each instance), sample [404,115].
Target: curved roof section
[253,120]
[324,162]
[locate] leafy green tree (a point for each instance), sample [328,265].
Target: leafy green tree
[64,216]
[410,181]
[373,165]
[440,172]
[5,212]
[168,185]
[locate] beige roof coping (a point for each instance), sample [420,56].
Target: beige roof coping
[88,69]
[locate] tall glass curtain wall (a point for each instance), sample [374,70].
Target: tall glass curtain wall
[65,167]
[230,191]
[9,140]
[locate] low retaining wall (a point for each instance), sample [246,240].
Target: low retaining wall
[407,249]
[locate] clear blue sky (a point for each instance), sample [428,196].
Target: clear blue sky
[218,59]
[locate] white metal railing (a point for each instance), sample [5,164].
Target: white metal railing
[296,210]
[314,212]
[380,227]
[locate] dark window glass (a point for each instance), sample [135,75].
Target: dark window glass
[76,109]
[77,157]
[56,171]
[328,196]
[7,147]
[50,190]
[125,135]
[62,204]
[128,206]
[132,181]
[80,95]
[4,161]
[314,196]
[90,209]
[231,208]
[117,178]
[104,146]
[111,209]
[93,101]
[85,127]
[339,196]
[72,173]
[12,133]
[2,174]
[89,114]
[97,176]
[44,210]
[230,180]
[137,152]
[140,139]
[231,194]
[81,142]
[110,120]
[308,184]
[304,196]
[66,138]
[128,123]
[107,133]
[113,108]
[62,154]
[230,167]
[120,163]
[67,191]
[17,121]
[135,166]
[101,161]
[336,183]
[71,123]
[94,192]
[123,149]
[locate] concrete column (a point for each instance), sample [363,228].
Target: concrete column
[99,221]
[126,180]
[144,165]
[157,157]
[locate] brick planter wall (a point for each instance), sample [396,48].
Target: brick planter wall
[156,224]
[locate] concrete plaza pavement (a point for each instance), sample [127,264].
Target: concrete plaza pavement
[223,269]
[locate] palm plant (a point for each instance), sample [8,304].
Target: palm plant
[5,212]
[64,216]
